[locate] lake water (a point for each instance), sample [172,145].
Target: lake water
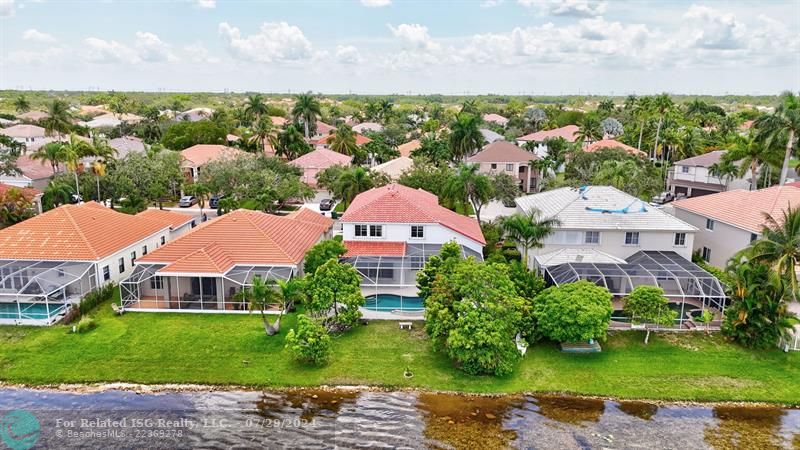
[350,419]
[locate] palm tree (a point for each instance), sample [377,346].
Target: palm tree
[725,170]
[661,104]
[753,154]
[263,134]
[99,170]
[254,107]
[470,107]
[291,143]
[469,187]
[642,109]
[260,295]
[783,124]
[72,152]
[528,230]
[343,140]
[21,104]
[543,167]
[589,130]
[352,182]
[58,120]
[199,190]
[688,142]
[606,105]
[384,109]
[779,245]
[50,153]
[465,136]
[306,109]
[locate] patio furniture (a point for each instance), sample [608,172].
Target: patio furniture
[118,310]
[405,325]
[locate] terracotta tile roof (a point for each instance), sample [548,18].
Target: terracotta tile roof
[567,132]
[408,147]
[323,128]
[35,170]
[240,237]
[495,118]
[321,158]
[309,216]
[29,192]
[395,203]
[502,151]
[277,120]
[704,160]
[611,143]
[360,139]
[86,232]
[374,248]
[202,154]
[741,208]
[23,131]
[167,218]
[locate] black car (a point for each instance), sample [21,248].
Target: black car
[326,204]
[213,202]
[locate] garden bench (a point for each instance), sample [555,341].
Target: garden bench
[405,325]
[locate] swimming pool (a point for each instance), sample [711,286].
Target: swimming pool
[29,310]
[391,302]
[618,315]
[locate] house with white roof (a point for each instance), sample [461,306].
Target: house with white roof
[394,168]
[490,136]
[368,126]
[692,177]
[390,232]
[603,224]
[127,144]
[729,221]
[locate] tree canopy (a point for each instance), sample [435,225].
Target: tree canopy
[574,312]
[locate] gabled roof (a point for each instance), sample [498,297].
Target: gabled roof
[86,232]
[394,168]
[309,216]
[35,170]
[743,209]
[360,139]
[495,118]
[202,154]
[408,147]
[611,143]
[240,237]
[566,132]
[502,152]
[126,144]
[277,120]
[374,248]
[23,131]
[323,128]
[490,136]
[395,203]
[167,218]
[704,160]
[321,158]
[600,208]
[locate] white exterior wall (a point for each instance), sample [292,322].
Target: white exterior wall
[181,230]
[112,261]
[401,232]
[724,241]
[702,175]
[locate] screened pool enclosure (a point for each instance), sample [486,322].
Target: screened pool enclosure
[41,292]
[688,287]
[149,289]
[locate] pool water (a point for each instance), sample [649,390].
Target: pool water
[29,310]
[391,302]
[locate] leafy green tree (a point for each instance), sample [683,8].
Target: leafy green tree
[15,206]
[307,110]
[322,252]
[536,117]
[428,176]
[469,186]
[182,135]
[264,134]
[782,126]
[434,150]
[779,245]
[10,150]
[343,140]
[58,120]
[309,341]
[574,312]
[505,187]
[255,107]
[291,144]
[21,104]
[335,288]
[351,182]
[377,151]
[647,305]
[528,230]
[465,136]
[448,256]
[590,129]
[474,314]
[50,153]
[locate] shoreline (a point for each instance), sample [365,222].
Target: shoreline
[179,388]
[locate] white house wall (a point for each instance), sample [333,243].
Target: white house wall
[112,261]
[724,241]
[397,232]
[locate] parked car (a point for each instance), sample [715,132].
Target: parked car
[213,202]
[187,201]
[326,204]
[664,197]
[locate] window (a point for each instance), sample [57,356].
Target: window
[375,230]
[710,224]
[417,231]
[144,250]
[163,240]
[685,169]
[509,167]
[632,238]
[106,273]
[121,265]
[494,166]
[680,239]
[156,283]
[591,237]
[133,257]
[753,237]
[706,254]
[361,230]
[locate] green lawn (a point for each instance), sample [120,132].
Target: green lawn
[232,349]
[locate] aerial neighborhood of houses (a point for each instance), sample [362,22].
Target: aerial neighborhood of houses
[190,210]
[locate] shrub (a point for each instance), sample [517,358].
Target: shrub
[85,325]
[574,312]
[91,300]
[334,292]
[647,305]
[309,342]
[321,253]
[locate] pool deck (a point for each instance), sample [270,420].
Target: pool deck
[369,314]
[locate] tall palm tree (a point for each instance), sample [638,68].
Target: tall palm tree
[384,109]
[352,182]
[469,187]
[50,153]
[779,245]
[99,170]
[264,134]
[260,295]
[465,136]
[589,130]
[783,124]
[725,170]
[72,152]
[528,230]
[306,109]
[21,104]
[291,143]
[199,190]
[343,140]
[688,142]
[254,107]
[58,120]
[543,166]
[752,153]
[642,109]
[662,103]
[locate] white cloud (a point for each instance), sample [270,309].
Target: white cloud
[35,35]
[151,48]
[491,3]
[712,29]
[347,54]
[570,8]
[6,8]
[206,4]
[414,36]
[35,57]
[274,42]
[376,3]
[106,52]
[199,54]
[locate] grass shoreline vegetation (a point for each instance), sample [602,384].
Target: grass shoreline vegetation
[232,350]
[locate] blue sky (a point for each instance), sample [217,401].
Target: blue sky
[400,46]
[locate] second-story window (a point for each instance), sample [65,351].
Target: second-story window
[685,169]
[375,231]
[361,230]
[591,237]
[680,239]
[509,167]
[417,231]
[710,224]
[121,265]
[632,238]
